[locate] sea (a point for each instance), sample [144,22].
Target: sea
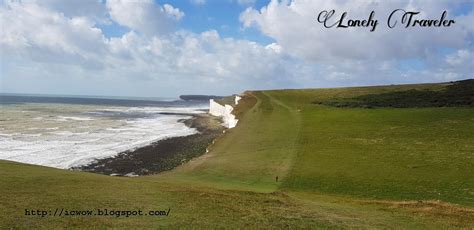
[69,131]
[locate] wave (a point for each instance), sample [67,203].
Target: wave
[79,140]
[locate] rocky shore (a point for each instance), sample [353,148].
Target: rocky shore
[162,155]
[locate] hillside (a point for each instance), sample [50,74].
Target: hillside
[456,94]
[337,167]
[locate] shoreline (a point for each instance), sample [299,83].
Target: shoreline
[161,155]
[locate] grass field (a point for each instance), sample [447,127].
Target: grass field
[337,168]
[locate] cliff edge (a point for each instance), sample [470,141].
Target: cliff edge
[224,111]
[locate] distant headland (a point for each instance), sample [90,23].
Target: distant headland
[199,97]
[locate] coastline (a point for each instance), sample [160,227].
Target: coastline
[162,155]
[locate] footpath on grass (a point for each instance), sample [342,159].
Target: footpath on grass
[252,155]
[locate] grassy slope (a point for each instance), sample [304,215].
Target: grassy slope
[250,156]
[417,154]
[456,94]
[337,168]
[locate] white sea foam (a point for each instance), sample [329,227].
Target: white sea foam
[66,118]
[72,140]
[154,110]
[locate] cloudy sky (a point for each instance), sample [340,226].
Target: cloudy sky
[166,48]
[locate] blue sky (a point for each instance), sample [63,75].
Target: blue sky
[166,48]
[222,16]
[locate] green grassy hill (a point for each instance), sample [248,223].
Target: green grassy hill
[338,167]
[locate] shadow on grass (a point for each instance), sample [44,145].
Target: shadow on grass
[457,94]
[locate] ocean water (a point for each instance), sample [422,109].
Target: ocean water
[64,132]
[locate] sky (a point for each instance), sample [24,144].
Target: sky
[164,48]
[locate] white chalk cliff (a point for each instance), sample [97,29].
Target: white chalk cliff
[225,112]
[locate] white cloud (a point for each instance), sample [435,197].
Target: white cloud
[144,16]
[462,57]
[49,48]
[50,45]
[456,65]
[275,47]
[293,25]
[198,2]
[175,12]
[43,35]
[246,2]
[93,9]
